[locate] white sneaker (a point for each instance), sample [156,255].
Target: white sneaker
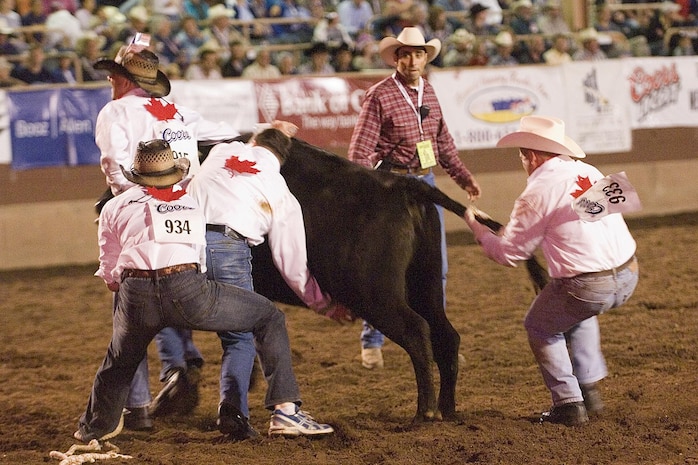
[298,424]
[372,358]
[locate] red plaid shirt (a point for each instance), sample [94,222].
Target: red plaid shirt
[388,127]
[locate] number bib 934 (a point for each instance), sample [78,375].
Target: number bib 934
[177,223]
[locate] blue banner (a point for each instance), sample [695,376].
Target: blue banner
[54,127]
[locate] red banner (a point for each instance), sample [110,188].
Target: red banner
[324,108]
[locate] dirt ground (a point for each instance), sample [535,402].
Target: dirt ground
[55,325]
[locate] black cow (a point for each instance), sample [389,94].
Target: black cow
[373,242]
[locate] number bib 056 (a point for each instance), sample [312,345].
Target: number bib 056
[173,222]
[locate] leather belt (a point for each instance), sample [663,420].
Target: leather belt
[225,230]
[409,170]
[612,271]
[160,272]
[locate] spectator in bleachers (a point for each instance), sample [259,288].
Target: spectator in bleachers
[89,49]
[35,17]
[368,56]
[137,22]
[172,9]
[109,23]
[495,15]
[6,80]
[481,52]
[523,20]
[206,67]
[504,46]
[665,17]
[261,67]
[236,63]
[53,5]
[331,32]
[221,30]
[33,69]
[453,6]
[590,49]
[87,14]
[10,43]
[550,20]
[342,59]
[477,22]
[318,61]
[559,52]
[459,48]
[688,12]
[438,27]
[9,15]
[162,38]
[354,15]
[298,32]
[189,39]
[245,11]
[64,73]
[532,53]
[684,46]
[197,9]
[63,31]
[287,63]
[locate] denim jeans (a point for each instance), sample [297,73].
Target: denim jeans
[184,300]
[229,261]
[565,312]
[371,337]
[176,349]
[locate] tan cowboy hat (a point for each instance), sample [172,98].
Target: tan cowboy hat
[140,66]
[409,37]
[219,10]
[542,133]
[155,165]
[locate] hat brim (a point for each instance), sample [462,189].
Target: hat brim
[164,179]
[389,45]
[528,140]
[160,88]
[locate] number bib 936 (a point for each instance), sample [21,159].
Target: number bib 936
[177,223]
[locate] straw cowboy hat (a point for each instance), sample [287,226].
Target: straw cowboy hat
[542,133]
[155,165]
[409,37]
[220,11]
[140,66]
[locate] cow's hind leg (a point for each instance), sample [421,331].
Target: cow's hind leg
[412,334]
[445,343]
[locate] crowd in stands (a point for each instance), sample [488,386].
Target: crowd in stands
[57,41]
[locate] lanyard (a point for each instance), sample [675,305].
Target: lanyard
[420,94]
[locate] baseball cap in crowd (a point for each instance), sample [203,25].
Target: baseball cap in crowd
[409,37]
[141,66]
[155,165]
[542,133]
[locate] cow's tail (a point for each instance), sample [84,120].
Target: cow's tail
[536,272]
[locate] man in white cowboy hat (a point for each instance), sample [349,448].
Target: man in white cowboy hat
[590,49]
[401,129]
[152,250]
[591,263]
[139,112]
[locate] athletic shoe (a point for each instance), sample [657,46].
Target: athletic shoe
[372,358]
[81,436]
[174,384]
[298,424]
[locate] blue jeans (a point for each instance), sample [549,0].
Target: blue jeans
[139,393]
[176,350]
[229,261]
[565,311]
[371,337]
[184,300]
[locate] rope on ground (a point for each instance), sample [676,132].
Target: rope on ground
[94,453]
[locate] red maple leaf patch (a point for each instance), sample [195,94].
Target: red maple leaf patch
[166,194]
[235,165]
[160,111]
[584,185]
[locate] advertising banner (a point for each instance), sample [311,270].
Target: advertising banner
[324,108]
[597,115]
[482,105]
[54,127]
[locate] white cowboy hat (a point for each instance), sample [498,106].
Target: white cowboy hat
[542,133]
[155,166]
[409,37]
[219,10]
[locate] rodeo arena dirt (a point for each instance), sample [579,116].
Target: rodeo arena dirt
[55,325]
